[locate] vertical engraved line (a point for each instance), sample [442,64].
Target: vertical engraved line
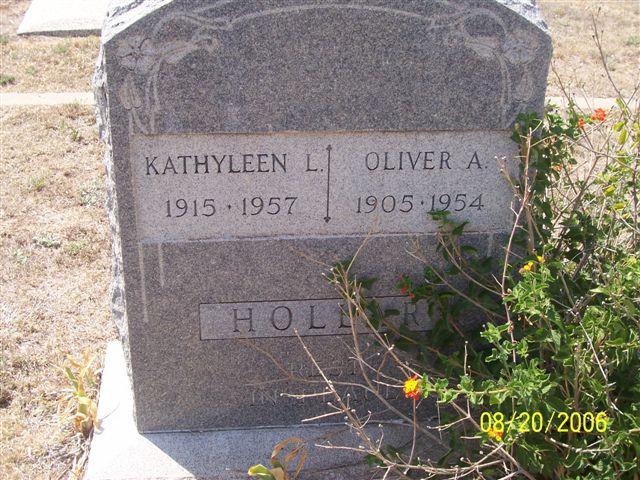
[161,264]
[490,244]
[143,283]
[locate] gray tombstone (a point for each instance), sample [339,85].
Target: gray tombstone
[248,139]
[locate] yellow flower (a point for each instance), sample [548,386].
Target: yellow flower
[527,267]
[540,259]
[495,434]
[412,388]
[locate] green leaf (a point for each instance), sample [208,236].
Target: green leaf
[459,229]
[466,384]
[469,249]
[448,396]
[622,138]
[367,283]
[262,472]
[373,461]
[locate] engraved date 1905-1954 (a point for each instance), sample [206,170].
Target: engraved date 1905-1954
[405,203]
[206,207]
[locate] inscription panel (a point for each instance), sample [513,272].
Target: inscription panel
[223,186]
[307,317]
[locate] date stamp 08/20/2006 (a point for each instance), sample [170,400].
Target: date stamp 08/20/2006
[497,424]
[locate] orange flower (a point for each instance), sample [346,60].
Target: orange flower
[581,123]
[412,295]
[599,114]
[412,388]
[495,434]
[404,289]
[557,168]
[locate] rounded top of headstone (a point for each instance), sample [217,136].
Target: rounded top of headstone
[314,65]
[123,13]
[527,9]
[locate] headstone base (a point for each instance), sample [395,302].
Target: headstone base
[64,18]
[119,452]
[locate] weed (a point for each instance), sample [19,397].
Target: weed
[61,48]
[74,248]
[72,131]
[82,376]
[560,334]
[90,195]
[19,256]
[47,241]
[6,79]
[38,182]
[632,41]
[76,136]
[279,470]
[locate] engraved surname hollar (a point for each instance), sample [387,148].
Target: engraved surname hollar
[307,317]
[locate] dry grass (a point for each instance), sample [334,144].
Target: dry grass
[54,271]
[576,57]
[42,64]
[54,65]
[46,64]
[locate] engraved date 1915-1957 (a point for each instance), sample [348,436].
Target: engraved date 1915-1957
[206,207]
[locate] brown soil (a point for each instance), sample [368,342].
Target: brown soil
[54,273]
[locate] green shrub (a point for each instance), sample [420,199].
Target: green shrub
[549,387]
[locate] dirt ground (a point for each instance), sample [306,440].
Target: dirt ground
[576,58]
[54,275]
[54,245]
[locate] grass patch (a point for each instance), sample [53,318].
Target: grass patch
[61,49]
[74,249]
[70,130]
[7,79]
[632,41]
[46,65]
[91,194]
[19,256]
[47,240]
[37,183]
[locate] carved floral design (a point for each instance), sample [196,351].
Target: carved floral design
[513,48]
[519,47]
[143,57]
[137,54]
[143,60]
[129,95]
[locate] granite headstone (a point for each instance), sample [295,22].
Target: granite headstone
[250,141]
